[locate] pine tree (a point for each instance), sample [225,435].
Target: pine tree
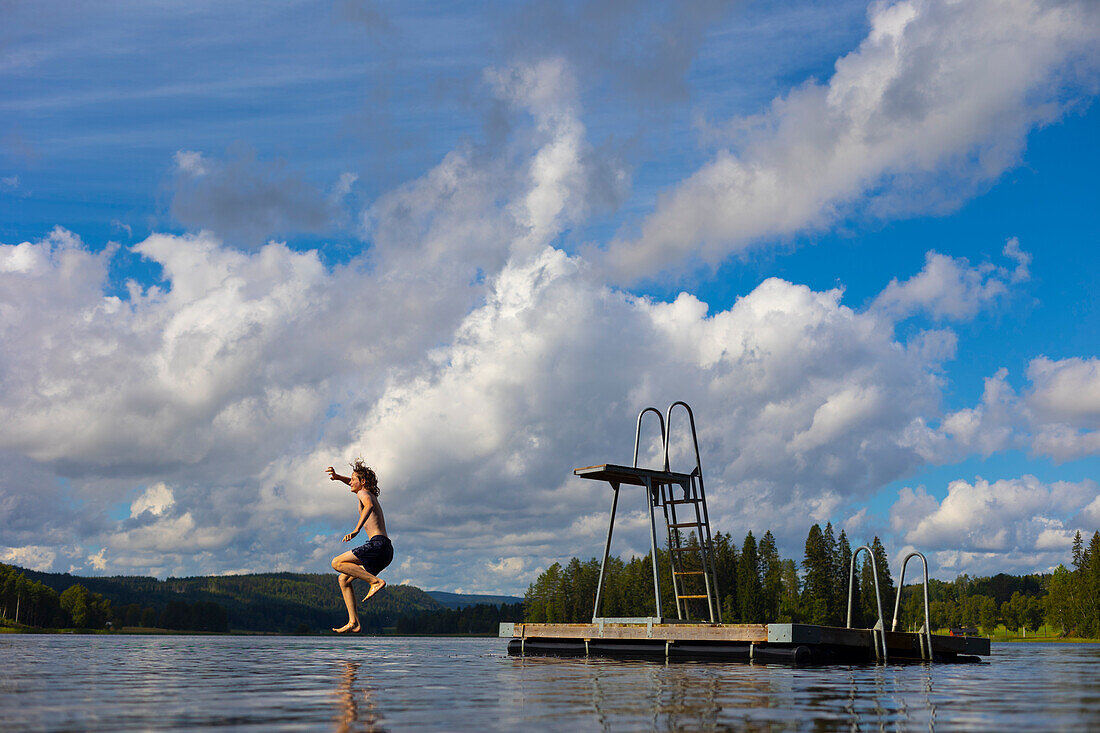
[790,595]
[1091,588]
[840,580]
[725,568]
[886,581]
[1078,551]
[771,572]
[816,578]
[749,590]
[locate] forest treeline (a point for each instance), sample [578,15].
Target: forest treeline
[273,602]
[36,604]
[757,585]
[482,618]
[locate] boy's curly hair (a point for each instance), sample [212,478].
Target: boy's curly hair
[366,475]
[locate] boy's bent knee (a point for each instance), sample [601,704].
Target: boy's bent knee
[335,563]
[345,580]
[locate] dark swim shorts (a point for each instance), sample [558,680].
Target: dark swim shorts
[376,554]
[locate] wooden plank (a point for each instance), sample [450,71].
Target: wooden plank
[900,645]
[662,632]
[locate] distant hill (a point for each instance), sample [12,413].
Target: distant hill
[278,601]
[461,600]
[260,602]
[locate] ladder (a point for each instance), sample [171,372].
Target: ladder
[690,546]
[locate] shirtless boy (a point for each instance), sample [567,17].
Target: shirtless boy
[368,560]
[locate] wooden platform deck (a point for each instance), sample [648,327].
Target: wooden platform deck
[790,643]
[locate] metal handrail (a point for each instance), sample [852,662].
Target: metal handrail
[880,626]
[897,602]
[653,501]
[707,544]
[694,437]
[638,433]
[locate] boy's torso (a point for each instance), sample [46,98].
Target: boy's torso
[376,522]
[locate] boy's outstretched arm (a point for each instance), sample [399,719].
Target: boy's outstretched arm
[337,477]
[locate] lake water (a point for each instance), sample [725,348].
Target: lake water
[115,683]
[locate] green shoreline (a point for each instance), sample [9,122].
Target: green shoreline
[127,631]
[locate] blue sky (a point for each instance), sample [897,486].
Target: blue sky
[241,243]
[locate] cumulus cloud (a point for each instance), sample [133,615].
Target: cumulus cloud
[800,400]
[1007,525]
[1064,402]
[936,101]
[1066,391]
[949,288]
[35,557]
[238,356]
[155,500]
[1056,415]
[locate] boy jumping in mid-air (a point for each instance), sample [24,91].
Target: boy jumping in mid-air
[367,560]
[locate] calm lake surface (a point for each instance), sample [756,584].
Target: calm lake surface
[368,683]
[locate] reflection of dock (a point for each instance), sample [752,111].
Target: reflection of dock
[799,643]
[681,499]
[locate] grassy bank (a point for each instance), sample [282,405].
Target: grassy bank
[1043,634]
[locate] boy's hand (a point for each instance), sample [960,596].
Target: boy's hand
[331,473]
[349,535]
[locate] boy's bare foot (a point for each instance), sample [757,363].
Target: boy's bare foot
[374,588]
[349,626]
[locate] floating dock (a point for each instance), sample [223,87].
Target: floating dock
[781,643]
[681,501]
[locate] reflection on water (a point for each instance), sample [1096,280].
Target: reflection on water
[357,709]
[374,684]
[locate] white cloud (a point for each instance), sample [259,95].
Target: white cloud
[99,559]
[507,566]
[191,162]
[155,500]
[35,557]
[1066,391]
[939,92]
[1064,405]
[800,400]
[949,287]
[171,536]
[243,357]
[1058,415]
[1018,524]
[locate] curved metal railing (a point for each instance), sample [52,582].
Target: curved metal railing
[879,631]
[926,640]
[638,433]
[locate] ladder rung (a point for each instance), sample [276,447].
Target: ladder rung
[685,524]
[688,572]
[693,596]
[682,501]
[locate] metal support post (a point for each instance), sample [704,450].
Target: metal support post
[653,543]
[606,552]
